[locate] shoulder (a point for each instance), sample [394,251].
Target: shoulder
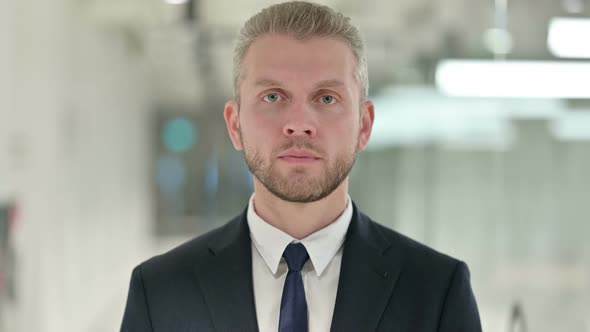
[417,258]
[189,255]
[431,286]
[425,276]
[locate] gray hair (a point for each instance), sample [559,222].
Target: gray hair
[301,20]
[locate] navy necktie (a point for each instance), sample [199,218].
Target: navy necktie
[293,305]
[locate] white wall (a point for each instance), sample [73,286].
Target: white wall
[74,151]
[518,217]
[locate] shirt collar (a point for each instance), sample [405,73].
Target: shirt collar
[321,245]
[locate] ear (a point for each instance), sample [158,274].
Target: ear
[367,119]
[232,121]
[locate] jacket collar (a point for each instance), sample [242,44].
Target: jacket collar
[226,282]
[369,271]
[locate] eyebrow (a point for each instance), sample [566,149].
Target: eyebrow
[267,82]
[321,84]
[329,84]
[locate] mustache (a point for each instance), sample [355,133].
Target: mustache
[299,143]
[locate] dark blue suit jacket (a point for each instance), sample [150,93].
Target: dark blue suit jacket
[388,282]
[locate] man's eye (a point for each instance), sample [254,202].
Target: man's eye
[327,99]
[272,98]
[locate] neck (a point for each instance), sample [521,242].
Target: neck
[300,219]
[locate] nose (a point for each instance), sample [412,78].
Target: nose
[300,123]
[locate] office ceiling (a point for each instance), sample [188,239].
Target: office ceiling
[188,46]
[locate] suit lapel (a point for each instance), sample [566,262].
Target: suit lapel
[227,281]
[367,277]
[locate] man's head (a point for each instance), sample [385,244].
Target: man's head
[300,20]
[300,113]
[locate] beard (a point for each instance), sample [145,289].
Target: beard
[298,186]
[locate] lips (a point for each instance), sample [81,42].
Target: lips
[299,156]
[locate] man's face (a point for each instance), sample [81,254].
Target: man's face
[300,121]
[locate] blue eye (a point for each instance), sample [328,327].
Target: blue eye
[272,98]
[327,99]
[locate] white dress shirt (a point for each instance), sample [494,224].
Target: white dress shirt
[320,273]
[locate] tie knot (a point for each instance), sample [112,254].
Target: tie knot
[296,256]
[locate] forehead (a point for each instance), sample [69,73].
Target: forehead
[288,60]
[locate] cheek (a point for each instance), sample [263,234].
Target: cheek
[259,131]
[349,128]
[341,135]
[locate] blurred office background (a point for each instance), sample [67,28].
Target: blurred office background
[113,147]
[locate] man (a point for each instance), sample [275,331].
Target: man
[301,256]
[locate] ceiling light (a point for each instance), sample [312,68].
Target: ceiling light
[569,37]
[514,79]
[498,41]
[176,2]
